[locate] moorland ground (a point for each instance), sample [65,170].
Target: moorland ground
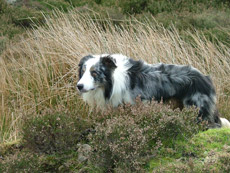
[42,117]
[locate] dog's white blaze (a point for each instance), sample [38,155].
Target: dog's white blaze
[87,80]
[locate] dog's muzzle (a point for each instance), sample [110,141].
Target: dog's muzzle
[80,88]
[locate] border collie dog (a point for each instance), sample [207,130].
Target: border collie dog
[115,79]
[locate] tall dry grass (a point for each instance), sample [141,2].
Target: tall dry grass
[39,72]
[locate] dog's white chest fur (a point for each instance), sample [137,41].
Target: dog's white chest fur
[96,98]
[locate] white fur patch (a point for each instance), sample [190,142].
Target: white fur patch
[120,91]
[95,98]
[225,123]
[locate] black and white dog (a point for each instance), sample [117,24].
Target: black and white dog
[116,79]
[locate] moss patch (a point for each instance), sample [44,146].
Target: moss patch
[206,151]
[213,139]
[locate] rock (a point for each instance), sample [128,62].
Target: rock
[82,158]
[11,1]
[83,152]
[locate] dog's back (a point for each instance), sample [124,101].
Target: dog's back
[182,83]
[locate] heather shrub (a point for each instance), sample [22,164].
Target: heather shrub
[224,162]
[125,138]
[20,162]
[54,132]
[164,124]
[119,142]
[25,161]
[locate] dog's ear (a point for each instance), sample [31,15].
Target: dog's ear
[109,62]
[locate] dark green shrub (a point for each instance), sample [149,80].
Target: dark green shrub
[158,6]
[224,2]
[81,3]
[133,6]
[55,4]
[98,1]
[25,17]
[55,132]
[3,6]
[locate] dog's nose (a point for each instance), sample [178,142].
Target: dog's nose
[80,87]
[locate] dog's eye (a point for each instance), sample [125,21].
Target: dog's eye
[83,69]
[94,73]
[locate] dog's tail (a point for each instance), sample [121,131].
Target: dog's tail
[225,123]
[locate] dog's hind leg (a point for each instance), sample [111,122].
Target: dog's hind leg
[207,108]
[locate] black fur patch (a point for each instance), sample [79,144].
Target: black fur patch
[108,62]
[135,73]
[107,66]
[165,82]
[81,63]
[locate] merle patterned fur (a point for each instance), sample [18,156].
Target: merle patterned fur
[160,82]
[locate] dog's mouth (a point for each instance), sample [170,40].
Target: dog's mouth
[85,91]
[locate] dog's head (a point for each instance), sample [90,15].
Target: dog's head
[95,72]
